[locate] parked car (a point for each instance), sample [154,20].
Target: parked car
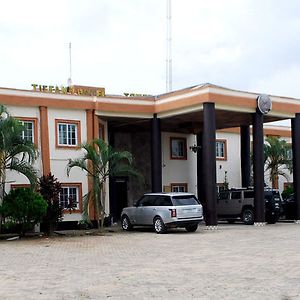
[289,207]
[237,204]
[163,211]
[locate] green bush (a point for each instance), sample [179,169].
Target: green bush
[287,192]
[24,207]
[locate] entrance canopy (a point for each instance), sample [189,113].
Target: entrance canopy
[182,111]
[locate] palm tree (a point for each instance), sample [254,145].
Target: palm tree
[276,159]
[16,154]
[100,161]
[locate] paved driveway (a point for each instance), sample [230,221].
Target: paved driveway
[233,262]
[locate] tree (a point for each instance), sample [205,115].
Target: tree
[276,159]
[49,188]
[16,154]
[100,161]
[25,207]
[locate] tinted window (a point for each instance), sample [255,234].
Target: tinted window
[276,193]
[236,195]
[184,200]
[163,201]
[249,194]
[146,201]
[224,196]
[268,196]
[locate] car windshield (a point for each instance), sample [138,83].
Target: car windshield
[270,195]
[184,200]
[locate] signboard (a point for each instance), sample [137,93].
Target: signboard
[73,90]
[136,95]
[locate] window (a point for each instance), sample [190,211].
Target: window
[184,200]
[163,201]
[178,148]
[68,133]
[221,149]
[101,131]
[29,132]
[70,197]
[236,195]
[146,201]
[223,196]
[249,194]
[179,187]
[289,152]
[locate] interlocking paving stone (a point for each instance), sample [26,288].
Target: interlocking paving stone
[233,262]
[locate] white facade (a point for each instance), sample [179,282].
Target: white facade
[178,172]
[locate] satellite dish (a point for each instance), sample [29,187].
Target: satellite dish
[264,104]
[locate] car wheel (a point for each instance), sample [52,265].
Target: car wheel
[126,225]
[272,219]
[159,225]
[191,228]
[248,216]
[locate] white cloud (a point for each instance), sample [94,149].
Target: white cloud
[251,45]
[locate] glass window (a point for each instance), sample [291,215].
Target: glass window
[147,201]
[249,194]
[235,195]
[184,200]
[224,196]
[220,149]
[69,197]
[178,188]
[28,131]
[163,201]
[178,148]
[289,154]
[67,134]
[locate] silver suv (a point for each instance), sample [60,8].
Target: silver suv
[163,211]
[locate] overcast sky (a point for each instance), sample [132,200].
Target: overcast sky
[251,45]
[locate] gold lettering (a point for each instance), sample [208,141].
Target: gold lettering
[34,86]
[64,90]
[51,88]
[100,93]
[57,90]
[45,88]
[40,88]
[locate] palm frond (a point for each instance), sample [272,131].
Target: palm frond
[25,169]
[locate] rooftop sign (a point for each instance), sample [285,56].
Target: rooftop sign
[136,95]
[73,90]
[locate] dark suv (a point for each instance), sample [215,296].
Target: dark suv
[289,207]
[239,204]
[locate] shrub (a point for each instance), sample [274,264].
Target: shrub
[24,207]
[287,192]
[50,188]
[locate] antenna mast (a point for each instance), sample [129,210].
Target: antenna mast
[70,62]
[169,49]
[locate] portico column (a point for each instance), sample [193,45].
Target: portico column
[245,156]
[209,163]
[258,168]
[199,169]
[296,163]
[156,170]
